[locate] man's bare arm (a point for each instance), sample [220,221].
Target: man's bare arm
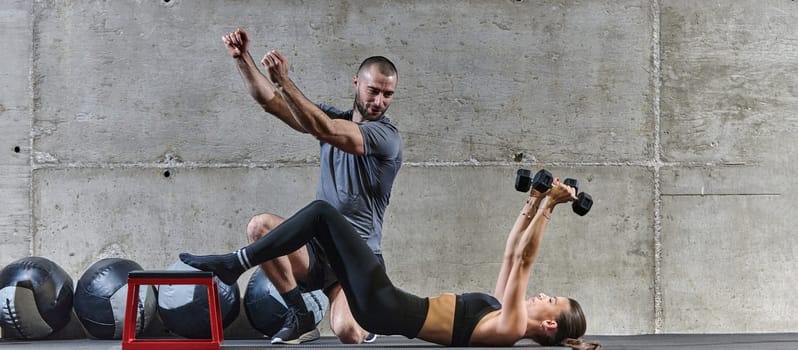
[343,134]
[256,83]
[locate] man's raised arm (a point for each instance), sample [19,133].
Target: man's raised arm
[258,86]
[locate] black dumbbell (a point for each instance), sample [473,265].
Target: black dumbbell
[541,182]
[572,183]
[523,180]
[583,202]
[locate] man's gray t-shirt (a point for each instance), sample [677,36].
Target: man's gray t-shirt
[360,186]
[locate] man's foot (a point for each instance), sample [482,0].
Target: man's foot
[370,338]
[225,266]
[298,327]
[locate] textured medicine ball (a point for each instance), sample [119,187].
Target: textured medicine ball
[265,308]
[36,296]
[184,308]
[101,299]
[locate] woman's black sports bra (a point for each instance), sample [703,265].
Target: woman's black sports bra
[469,309]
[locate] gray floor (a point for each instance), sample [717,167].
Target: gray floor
[648,342]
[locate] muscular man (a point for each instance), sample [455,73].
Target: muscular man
[361,153]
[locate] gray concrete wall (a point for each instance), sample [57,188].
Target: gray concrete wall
[678,116]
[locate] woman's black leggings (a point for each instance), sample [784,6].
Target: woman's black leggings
[377,305]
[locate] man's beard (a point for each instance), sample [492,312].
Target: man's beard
[361,108]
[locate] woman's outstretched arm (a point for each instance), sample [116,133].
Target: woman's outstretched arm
[513,317]
[522,221]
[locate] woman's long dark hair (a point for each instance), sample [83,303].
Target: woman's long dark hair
[571,326]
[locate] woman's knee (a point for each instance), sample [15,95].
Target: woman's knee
[260,225]
[322,207]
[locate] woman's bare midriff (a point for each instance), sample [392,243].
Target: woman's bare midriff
[439,324]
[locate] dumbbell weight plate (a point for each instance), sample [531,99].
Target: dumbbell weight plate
[523,180]
[582,204]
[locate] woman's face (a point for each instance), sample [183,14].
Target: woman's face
[543,307]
